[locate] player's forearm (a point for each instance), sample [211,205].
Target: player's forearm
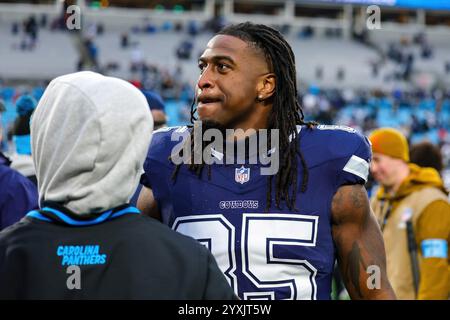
[363,271]
[361,253]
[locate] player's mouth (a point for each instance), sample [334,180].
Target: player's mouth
[207,106]
[205,100]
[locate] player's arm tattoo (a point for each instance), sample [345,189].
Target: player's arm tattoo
[359,243]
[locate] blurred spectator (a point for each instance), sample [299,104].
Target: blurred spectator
[43,21]
[2,109]
[30,27]
[88,55]
[426,154]
[285,29]
[419,38]
[319,72]
[394,53]
[21,158]
[325,115]
[306,32]
[413,210]
[15,28]
[445,151]
[167,26]
[18,195]
[137,58]
[375,67]
[157,108]
[193,28]
[178,27]
[340,75]
[91,31]
[426,51]
[361,35]
[216,24]
[93,52]
[447,67]
[184,50]
[136,82]
[150,28]
[124,40]
[100,29]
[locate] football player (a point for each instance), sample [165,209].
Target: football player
[275,236]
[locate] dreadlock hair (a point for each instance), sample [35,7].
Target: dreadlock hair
[285,115]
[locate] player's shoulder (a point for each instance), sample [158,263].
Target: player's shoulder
[165,139]
[336,133]
[165,134]
[13,181]
[331,142]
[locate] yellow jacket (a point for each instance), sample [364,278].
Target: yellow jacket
[423,199]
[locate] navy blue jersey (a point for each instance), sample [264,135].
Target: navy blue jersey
[279,254]
[18,195]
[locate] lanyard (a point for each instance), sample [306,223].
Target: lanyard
[387,214]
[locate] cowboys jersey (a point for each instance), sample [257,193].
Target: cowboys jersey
[274,254]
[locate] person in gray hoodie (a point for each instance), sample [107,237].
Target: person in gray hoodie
[89,138]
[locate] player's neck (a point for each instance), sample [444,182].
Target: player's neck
[250,125]
[240,135]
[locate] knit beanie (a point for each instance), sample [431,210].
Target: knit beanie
[25,104]
[390,142]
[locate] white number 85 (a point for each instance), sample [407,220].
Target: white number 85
[262,234]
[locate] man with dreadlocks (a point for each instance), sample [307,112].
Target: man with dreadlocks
[275,236]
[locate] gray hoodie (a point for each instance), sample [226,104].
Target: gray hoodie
[89,138]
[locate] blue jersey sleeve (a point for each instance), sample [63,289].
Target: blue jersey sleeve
[157,166]
[157,161]
[346,152]
[353,167]
[19,198]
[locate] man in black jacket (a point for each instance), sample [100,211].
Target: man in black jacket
[90,135]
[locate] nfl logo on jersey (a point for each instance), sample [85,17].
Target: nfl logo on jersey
[242,175]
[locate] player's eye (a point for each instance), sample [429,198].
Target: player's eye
[201,67]
[222,67]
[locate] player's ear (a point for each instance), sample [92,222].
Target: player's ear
[266,86]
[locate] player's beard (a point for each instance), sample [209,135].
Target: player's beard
[222,127]
[212,124]
[240,118]
[228,138]
[233,123]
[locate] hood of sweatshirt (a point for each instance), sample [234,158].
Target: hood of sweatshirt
[89,137]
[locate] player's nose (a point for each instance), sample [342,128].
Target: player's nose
[206,80]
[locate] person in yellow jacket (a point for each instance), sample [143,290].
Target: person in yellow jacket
[413,209]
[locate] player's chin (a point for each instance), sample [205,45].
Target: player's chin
[208,111]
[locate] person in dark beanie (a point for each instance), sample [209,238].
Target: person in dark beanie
[157,108]
[89,137]
[18,195]
[21,158]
